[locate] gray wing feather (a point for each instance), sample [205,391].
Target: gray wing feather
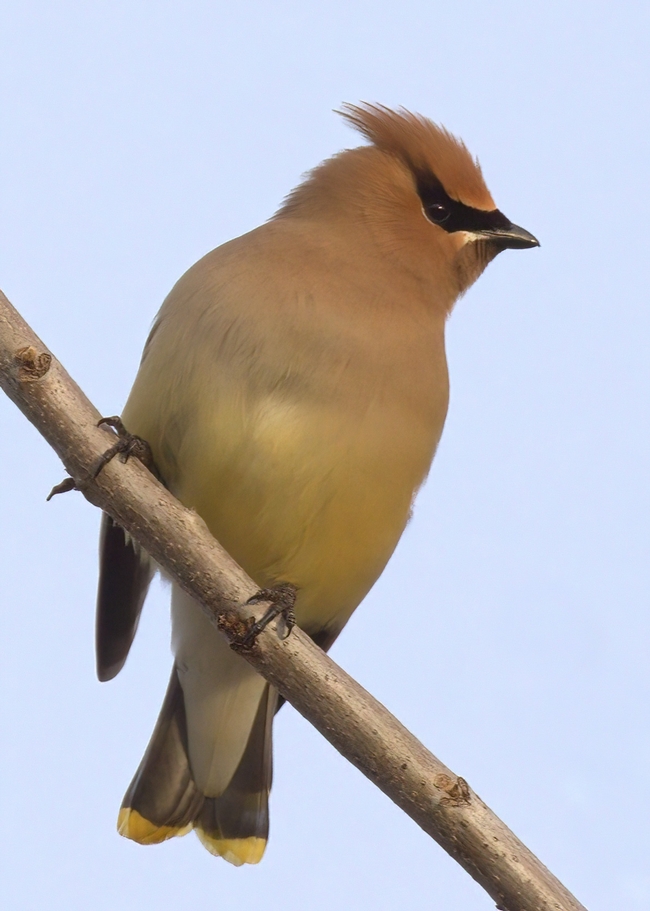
[124,577]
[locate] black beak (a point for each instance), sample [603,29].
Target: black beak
[511,237]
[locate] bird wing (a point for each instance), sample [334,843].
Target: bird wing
[125,572]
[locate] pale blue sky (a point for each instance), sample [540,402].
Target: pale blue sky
[510,632]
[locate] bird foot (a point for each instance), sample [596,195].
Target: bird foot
[282,599]
[127,445]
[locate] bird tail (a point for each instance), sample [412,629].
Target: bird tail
[164,801]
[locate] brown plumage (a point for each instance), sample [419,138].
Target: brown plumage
[293,390]
[423,146]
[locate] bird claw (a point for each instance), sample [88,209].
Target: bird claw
[66,485]
[282,599]
[127,445]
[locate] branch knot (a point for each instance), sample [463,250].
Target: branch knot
[32,364]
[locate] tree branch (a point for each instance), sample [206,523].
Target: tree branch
[352,720]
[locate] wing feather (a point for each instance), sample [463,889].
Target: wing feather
[124,576]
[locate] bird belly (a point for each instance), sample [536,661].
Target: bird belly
[307,494]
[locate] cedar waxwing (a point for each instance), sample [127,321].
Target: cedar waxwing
[293,391]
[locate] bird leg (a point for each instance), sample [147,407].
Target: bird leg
[127,445]
[282,599]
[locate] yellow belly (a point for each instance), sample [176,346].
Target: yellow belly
[295,492]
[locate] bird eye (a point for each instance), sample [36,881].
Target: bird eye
[437,213]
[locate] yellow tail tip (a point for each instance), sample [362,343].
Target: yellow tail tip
[132,825]
[236,851]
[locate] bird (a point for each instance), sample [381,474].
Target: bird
[293,391]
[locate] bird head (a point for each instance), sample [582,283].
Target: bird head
[417,192]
